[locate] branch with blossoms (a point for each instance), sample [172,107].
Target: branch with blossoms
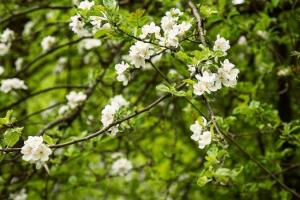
[208,70]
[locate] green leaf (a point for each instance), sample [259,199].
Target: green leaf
[163,88]
[12,136]
[49,140]
[111,4]
[202,181]
[6,119]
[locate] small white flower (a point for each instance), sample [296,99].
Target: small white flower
[13,83]
[205,139]
[47,43]
[167,23]
[138,53]
[108,115]
[242,40]
[75,98]
[121,67]
[221,44]
[121,167]
[1,70]
[208,82]
[228,74]
[111,109]
[77,26]
[150,29]
[89,44]
[19,63]
[28,28]
[86,5]
[35,151]
[7,36]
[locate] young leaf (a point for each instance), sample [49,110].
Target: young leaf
[12,136]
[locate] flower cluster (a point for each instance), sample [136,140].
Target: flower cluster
[202,137]
[35,151]
[173,31]
[10,84]
[47,43]
[121,167]
[225,75]
[166,36]
[74,100]
[88,26]
[109,111]
[5,41]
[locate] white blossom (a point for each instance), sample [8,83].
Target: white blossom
[47,43]
[7,36]
[121,69]
[77,26]
[1,70]
[35,151]
[205,139]
[208,82]
[21,195]
[111,109]
[138,53]
[19,63]
[14,83]
[107,116]
[202,137]
[86,5]
[28,28]
[89,44]
[150,29]
[75,98]
[242,40]
[228,74]
[221,44]
[121,167]
[167,23]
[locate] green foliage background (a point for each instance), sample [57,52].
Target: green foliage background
[261,113]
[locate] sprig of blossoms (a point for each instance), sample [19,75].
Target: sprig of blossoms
[8,85]
[202,137]
[109,111]
[35,151]
[5,41]
[226,75]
